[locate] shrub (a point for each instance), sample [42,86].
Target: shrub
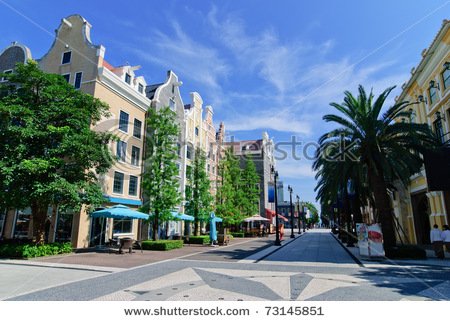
[202,239]
[405,252]
[162,245]
[33,250]
[237,234]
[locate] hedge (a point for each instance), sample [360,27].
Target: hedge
[162,245]
[406,252]
[203,239]
[31,250]
[237,234]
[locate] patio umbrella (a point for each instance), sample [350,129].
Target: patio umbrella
[120,212]
[256,218]
[183,217]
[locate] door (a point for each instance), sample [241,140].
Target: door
[98,230]
[421,213]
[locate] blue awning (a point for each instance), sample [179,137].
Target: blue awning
[120,212]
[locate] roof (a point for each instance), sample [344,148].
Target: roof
[426,55]
[107,65]
[151,89]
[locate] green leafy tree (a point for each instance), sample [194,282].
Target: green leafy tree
[50,156]
[198,196]
[229,195]
[160,184]
[380,145]
[250,189]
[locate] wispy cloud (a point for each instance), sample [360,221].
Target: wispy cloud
[178,51]
[278,121]
[276,62]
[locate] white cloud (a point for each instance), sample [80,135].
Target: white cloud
[178,51]
[276,62]
[290,168]
[278,121]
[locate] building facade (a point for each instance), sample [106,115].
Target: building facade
[261,151]
[82,64]
[416,208]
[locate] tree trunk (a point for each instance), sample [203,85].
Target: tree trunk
[39,213]
[155,226]
[383,207]
[197,228]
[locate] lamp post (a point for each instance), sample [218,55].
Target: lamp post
[298,213]
[304,218]
[351,194]
[277,233]
[292,211]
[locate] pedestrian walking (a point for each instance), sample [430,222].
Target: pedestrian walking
[436,241]
[446,237]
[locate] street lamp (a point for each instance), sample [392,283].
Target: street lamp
[277,233]
[292,211]
[298,213]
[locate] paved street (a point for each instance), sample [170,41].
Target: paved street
[311,267]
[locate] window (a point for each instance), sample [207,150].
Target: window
[141,88]
[9,71]
[66,57]
[214,169]
[189,152]
[122,226]
[22,224]
[438,129]
[196,131]
[173,89]
[178,149]
[446,78]
[172,104]
[209,168]
[188,172]
[77,83]
[67,77]
[135,154]
[179,169]
[433,94]
[133,187]
[123,121]
[64,226]
[137,128]
[121,151]
[128,78]
[118,183]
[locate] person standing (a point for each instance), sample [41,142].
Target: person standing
[436,240]
[446,237]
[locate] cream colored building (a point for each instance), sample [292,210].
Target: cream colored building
[416,208]
[200,132]
[82,63]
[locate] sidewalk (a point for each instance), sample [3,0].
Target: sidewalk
[430,261]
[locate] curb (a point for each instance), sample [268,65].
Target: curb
[357,261]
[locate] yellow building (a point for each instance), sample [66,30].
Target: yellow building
[416,208]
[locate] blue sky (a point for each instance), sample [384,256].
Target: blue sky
[263,65]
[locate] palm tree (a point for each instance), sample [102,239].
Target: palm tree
[378,146]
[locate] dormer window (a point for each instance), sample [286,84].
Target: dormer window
[141,88]
[67,56]
[128,78]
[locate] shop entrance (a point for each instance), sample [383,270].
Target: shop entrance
[421,213]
